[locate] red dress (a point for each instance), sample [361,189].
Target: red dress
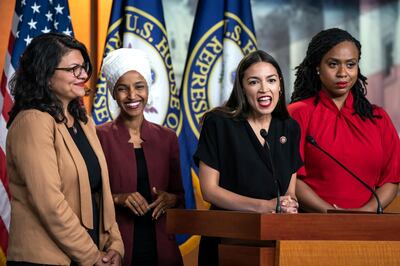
[369,149]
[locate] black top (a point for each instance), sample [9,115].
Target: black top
[94,171]
[231,147]
[144,239]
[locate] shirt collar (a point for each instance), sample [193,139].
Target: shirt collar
[330,104]
[145,131]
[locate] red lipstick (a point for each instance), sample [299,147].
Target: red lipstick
[341,84]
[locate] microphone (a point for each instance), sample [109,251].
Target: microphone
[312,141]
[264,134]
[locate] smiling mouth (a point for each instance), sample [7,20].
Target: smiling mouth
[80,85]
[132,105]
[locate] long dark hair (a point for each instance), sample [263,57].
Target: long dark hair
[237,105]
[30,83]
[308,83]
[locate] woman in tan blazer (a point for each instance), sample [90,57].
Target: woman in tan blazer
[62,210]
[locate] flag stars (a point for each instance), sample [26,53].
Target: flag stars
[17,34]
[49,16]
[23,3]
[28,39]
[56,24]
[32,24]
[20,18]
[35,8]
[59,9]
[67,32]
[46,30]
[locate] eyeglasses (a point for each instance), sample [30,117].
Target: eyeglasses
[76,70]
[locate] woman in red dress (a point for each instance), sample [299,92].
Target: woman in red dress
[330,105]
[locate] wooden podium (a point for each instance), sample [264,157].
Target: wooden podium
[295,239]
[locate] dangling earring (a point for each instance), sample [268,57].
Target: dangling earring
[280,91]
[317,71]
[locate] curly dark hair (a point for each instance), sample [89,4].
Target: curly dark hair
[308,83]
[237,105]
[30,83]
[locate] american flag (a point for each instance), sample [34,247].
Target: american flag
[31,18]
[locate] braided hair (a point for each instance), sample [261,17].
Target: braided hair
[308,83]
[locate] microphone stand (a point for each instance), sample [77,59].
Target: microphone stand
[264,134]
[278,196]
[312,141]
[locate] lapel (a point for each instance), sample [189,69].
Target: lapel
[83,177]
[129,173]
[108,210]
[150,152]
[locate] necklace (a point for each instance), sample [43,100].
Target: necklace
[74,129]
[258,128]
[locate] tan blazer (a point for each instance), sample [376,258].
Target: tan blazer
[51,206]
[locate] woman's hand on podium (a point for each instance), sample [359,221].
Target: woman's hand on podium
[289,204]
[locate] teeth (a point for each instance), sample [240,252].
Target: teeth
[264,99]
[133,105]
